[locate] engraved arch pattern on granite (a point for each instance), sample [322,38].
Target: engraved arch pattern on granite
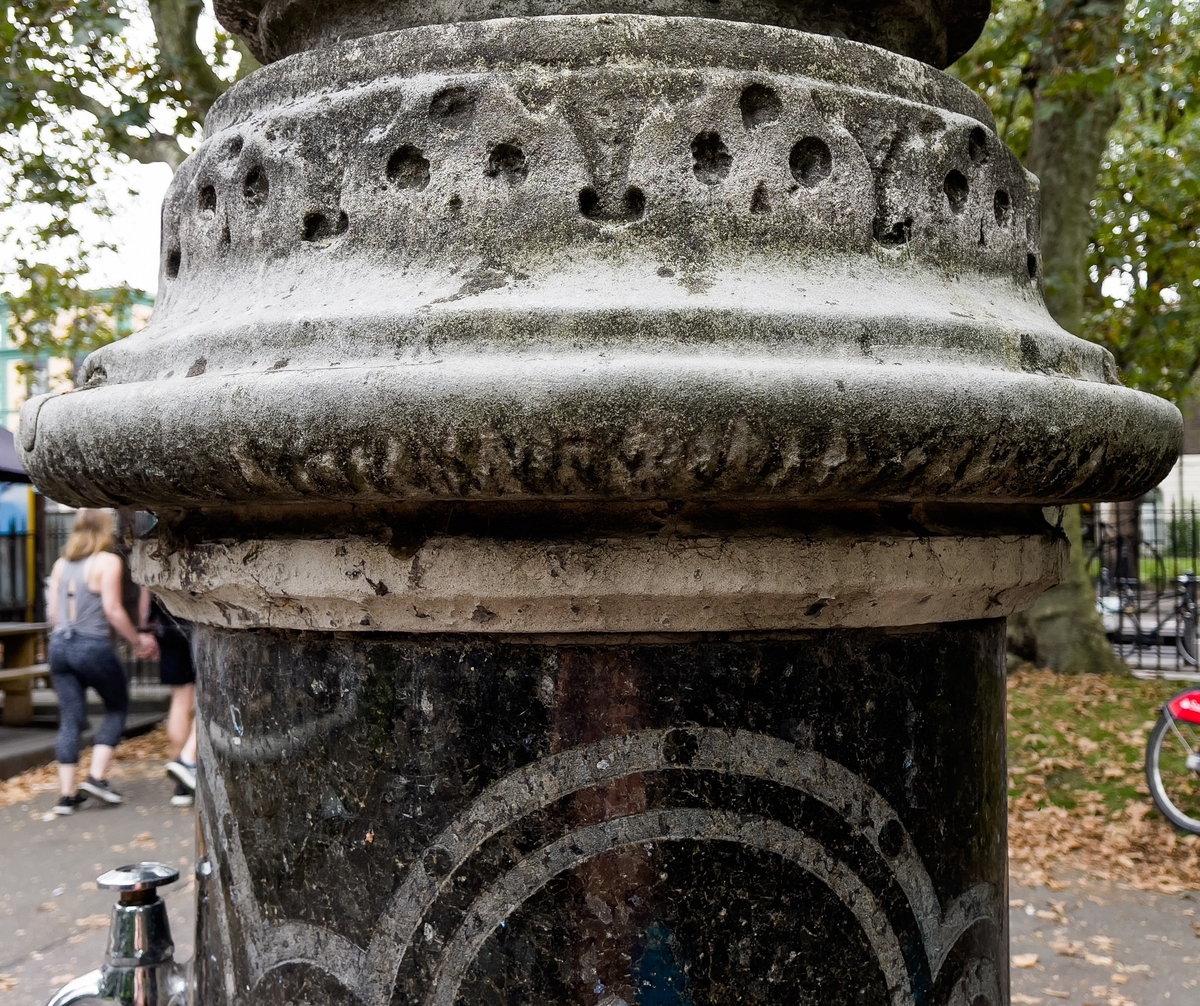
[372,972]
[497,903]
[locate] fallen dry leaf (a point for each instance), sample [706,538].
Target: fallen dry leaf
[93,921]
[1021,999]
[1131,846]
[1057,993]
[143,840]
[1067,948]
[136,757]
[1024,960]
[7,982]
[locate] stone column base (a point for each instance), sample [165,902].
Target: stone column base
[759,818]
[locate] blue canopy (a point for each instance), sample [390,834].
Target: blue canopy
[11,469]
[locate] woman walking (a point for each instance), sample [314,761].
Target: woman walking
[84,601]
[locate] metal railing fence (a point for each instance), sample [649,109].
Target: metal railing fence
[1143,557]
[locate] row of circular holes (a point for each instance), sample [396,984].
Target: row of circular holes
[810,162]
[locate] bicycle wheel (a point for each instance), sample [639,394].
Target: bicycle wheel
[1173,771]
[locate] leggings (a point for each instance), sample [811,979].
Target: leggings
[77,663]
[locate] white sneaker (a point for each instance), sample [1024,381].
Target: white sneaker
[183,797]
[182,772]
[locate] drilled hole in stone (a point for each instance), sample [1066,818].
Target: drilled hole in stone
[760,105]
[319,227]
[408,168]
[507,161]
[897,234]
[633,205]
[256,186]
[810,161]
[174,261]
[760,202]
[234,146]
[207,198]
[454,106]
[956,188]
[711,160]
[1031,265]
[1002,206]
[977,145]
[454,203]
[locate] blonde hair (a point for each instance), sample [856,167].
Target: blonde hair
[92,532]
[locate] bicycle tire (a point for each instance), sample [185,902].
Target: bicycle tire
[1154,779]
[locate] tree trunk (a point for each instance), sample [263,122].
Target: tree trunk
[1063,629]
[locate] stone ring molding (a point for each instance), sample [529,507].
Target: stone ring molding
[370,973]
[672,583]
[598,257]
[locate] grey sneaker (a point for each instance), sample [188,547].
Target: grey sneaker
[101,790]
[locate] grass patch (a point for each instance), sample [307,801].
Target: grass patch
[1078,800]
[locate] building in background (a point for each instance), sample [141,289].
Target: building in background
[21,377]
[1182,487]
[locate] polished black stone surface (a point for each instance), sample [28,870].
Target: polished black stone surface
[648,821]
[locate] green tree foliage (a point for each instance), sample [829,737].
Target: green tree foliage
[1097,98]
[1126,76]
[87,83]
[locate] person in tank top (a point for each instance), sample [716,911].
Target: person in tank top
[84,602]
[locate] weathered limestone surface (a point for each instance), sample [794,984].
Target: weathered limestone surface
[685,259]
[934,31]
[598,446]
[646,571]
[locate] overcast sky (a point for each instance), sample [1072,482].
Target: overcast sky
[133,228]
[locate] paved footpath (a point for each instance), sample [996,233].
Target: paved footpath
[53,918]
[1097,945]
[1102,945]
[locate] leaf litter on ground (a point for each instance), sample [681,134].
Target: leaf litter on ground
[136,757]
[1077,796]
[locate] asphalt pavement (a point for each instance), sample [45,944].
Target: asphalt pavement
[53,917]
[1103,945]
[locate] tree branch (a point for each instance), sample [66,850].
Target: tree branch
[175,23]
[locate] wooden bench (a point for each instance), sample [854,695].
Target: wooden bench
[19,671]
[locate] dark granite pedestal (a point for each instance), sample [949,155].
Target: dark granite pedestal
[808,818]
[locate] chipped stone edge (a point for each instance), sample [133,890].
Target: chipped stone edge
[606,584]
